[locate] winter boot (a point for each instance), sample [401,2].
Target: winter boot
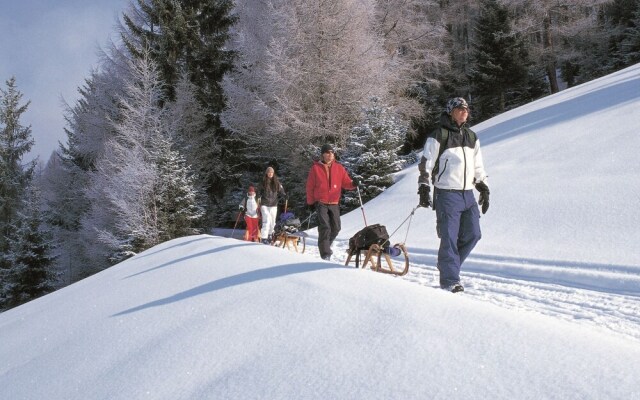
[455,288]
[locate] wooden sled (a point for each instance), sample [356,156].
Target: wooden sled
[381,261]
[288,240]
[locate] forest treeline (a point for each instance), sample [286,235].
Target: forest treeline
[198,97]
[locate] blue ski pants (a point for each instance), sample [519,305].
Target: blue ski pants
[458,226]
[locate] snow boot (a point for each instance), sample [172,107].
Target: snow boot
[455,288]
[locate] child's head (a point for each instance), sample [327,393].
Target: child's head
[251,191]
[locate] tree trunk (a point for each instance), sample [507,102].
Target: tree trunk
[550,67]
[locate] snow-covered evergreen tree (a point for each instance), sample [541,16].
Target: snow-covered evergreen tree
[30,257]
[15,142]
[179,209]
[135,184]
[372,152]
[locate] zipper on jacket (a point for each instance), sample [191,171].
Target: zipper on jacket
[446,161]
[464,153]
[464,181]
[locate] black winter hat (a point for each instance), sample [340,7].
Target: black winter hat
[326,148]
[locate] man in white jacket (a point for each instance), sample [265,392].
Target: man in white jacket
[452,161]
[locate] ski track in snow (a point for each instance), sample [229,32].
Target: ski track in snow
[579,293]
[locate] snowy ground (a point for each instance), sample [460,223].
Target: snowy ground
[599,296]
[551,307]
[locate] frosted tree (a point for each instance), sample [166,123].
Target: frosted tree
[372,151]
[303,72]
[132,189]
[550,25]
[414,37]
[178,201]
[121,189]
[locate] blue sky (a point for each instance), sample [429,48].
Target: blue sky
[50,47]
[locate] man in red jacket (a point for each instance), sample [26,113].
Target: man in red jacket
[325,182]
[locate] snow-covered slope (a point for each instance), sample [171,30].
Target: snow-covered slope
[551,310]
[215,318]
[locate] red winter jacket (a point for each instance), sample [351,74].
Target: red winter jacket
[325,183]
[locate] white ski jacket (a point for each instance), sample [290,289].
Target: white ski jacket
[250,205]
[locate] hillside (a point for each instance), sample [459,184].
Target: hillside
[551,308]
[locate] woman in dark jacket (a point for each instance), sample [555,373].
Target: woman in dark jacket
[270,191]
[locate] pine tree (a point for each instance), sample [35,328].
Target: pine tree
[30,256]
[15,142]
[501,69]
[177,200]
[372,152]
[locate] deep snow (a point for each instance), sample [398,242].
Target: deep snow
[551,308]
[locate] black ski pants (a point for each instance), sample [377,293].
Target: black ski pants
[328,227]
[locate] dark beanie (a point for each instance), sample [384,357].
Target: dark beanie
[326,148]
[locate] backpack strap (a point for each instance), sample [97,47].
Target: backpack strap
[441,135]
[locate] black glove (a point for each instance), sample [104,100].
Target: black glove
[311,207]
[484,196]
[355,181]
[425,198]
[241,209]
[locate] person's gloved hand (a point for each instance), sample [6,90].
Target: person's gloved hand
[484,196]
[425,197]
[311,207]
[356,182]
[241,209]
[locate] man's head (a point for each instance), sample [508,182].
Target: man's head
[456,102]
[326,148]
[458,109]
[327,153]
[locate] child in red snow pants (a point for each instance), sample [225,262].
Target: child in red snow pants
[252,233]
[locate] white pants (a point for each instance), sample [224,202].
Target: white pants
[268,221]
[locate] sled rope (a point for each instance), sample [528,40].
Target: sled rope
[308,220]
[410,217]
